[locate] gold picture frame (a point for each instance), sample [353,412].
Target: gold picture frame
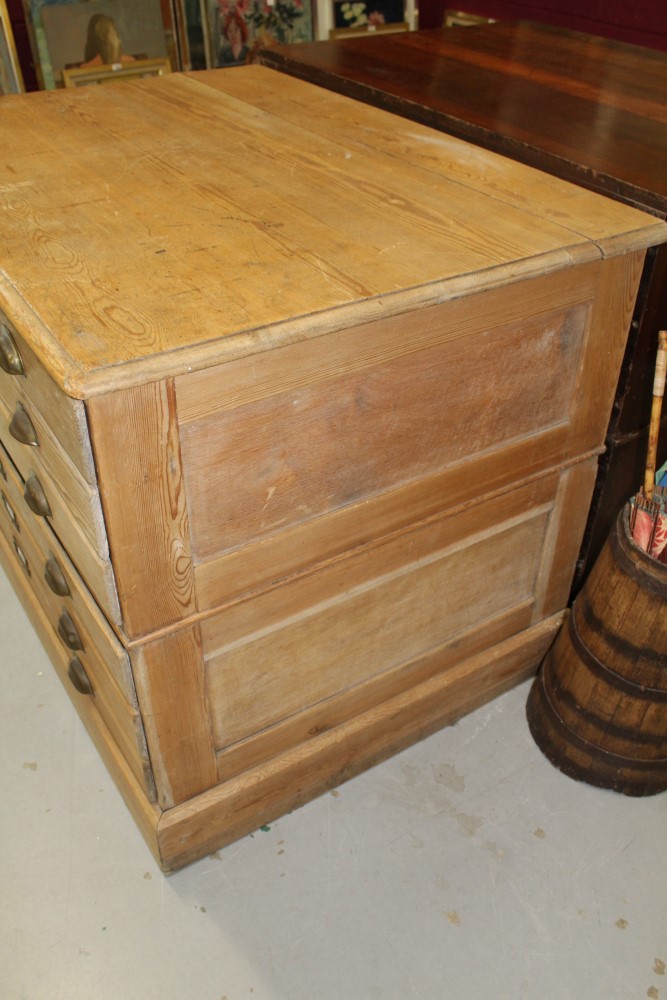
[381,29]
[462,19]
[84,76]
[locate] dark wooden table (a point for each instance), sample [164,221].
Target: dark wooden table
[586,109]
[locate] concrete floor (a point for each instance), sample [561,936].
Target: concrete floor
[466,868]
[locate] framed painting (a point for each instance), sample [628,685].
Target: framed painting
[70,34]
[190,17]
[369,14]
[236,29]
[11,80]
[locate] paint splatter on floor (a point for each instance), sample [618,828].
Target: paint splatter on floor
[469,824]
[447,775]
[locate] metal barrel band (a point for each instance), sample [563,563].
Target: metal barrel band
[602,671]
[623,645]
[612,759]
[606,727]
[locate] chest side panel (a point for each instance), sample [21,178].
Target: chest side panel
[418,592]
[294,456]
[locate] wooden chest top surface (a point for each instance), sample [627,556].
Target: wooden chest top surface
[151,228]
[588,109]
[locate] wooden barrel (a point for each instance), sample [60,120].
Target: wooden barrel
[598,707]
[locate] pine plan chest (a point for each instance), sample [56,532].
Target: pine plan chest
[301,407]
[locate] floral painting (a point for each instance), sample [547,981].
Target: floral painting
[237,28]
[367,13]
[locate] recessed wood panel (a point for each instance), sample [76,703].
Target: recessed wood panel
[274,670]
[299,454]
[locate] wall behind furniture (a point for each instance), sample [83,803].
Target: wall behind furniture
[642,22]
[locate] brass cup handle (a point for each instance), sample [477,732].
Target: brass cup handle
[10,359]
[55,578]
[67,631]
[22,428]
[35,497]
[78,676]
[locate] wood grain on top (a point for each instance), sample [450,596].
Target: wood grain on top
[159,225]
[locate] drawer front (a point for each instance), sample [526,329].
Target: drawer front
[35,450]
[22,376]
[57,493]
[86,677]
[56,580]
